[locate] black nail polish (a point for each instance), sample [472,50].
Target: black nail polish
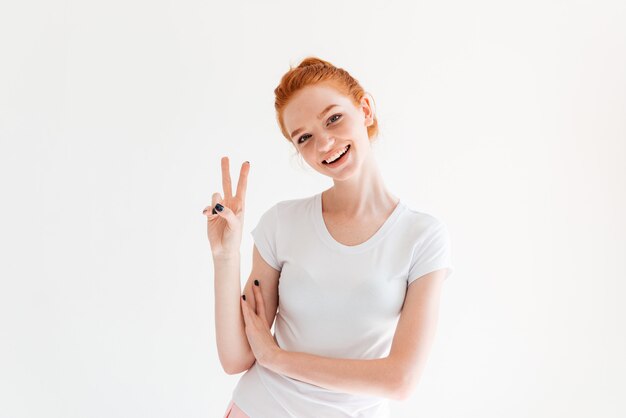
[256,282]
[214,212]
[244,297]
[219,207]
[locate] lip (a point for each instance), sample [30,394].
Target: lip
[335,151]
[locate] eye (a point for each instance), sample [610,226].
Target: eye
[307,135]
[333,120]
[336,114]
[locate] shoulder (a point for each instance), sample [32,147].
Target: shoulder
[298,201]
[296,205]
[289,209]
[421,222]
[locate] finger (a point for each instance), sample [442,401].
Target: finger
[226,183]
[244,310]
[252,297]
[210,211]
[242,184]
[258,299]
[215,199]
[228,214]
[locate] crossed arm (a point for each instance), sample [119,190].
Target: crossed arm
[375,377]
[394,376]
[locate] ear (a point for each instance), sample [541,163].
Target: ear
[367,106]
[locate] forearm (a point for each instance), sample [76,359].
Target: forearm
[232,344]
[374,377]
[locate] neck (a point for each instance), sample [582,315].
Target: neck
[363,195]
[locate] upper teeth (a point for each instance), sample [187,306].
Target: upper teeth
[337,155]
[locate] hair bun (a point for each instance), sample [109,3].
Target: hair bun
[308,61]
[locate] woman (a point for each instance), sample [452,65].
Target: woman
[360,272]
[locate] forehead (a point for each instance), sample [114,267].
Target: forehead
[307,103]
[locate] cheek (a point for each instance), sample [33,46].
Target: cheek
[348,127]
[342,131]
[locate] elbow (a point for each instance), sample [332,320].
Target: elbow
[402,383]
[234,363]
[236,368]
[403,388]
[230,370]
[402,394]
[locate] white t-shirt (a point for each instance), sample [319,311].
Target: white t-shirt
[336,301]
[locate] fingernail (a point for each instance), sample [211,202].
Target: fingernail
[256,282]
[247,162]
[219,207]
[244,297]
[214,212]
[204,211]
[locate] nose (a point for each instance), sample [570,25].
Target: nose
[327,143]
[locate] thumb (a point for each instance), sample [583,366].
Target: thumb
[227,214]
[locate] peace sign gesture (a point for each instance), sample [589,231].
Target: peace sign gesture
[225,215]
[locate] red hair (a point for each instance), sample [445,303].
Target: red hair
[311,71]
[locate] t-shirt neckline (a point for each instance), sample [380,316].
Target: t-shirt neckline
[373,240]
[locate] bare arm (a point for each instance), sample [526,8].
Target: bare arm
[375,377]
[232,344]
[233,347]
[224,229]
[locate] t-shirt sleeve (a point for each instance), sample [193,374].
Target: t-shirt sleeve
[264,235]
[432,252]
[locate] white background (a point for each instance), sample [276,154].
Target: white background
[507,120]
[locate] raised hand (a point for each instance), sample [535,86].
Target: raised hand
[225,215]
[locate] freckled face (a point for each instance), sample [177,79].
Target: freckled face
[319,131]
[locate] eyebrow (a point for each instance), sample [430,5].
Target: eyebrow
[319,117]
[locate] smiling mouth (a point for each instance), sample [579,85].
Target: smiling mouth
[338,159]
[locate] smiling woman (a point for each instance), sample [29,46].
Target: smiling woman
[358,271]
